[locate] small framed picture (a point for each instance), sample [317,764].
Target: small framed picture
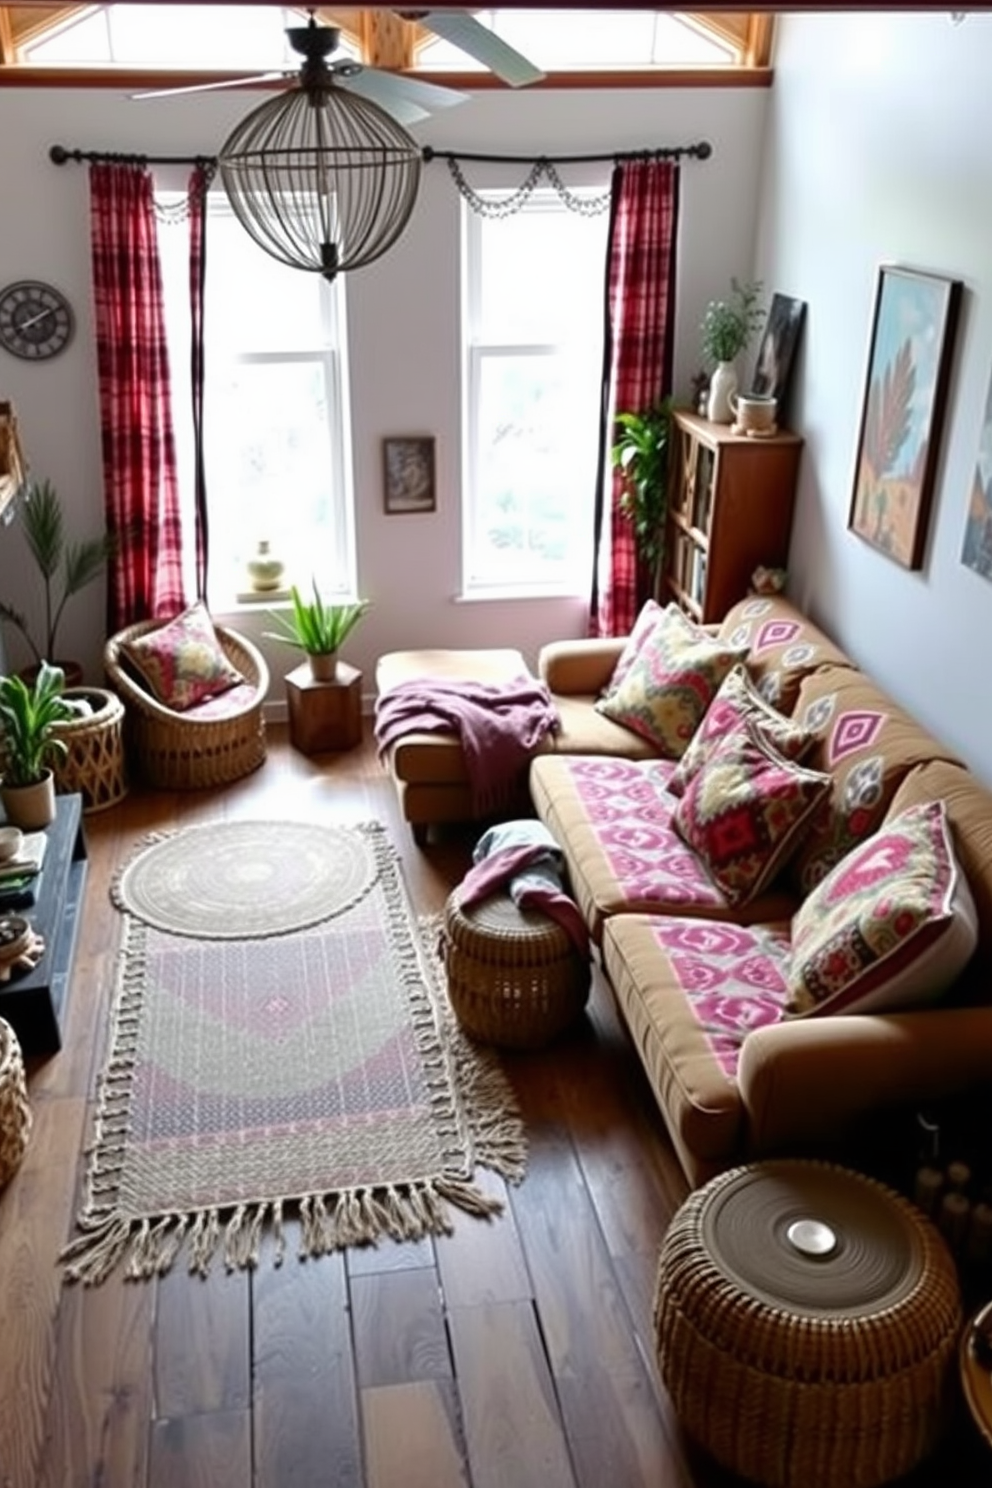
[903,411]
[408,474]
[778,348]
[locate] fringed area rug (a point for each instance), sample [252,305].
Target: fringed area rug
[317,1071]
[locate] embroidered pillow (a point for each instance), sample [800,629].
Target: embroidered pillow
[183,662]
[671,682]
[645,623]
[737,700]
[744,811]
[891,926]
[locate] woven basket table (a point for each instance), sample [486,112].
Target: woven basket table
[515,977]
[806,1322]
[15,1112]
[94,765]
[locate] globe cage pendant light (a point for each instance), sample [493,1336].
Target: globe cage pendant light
[322,179]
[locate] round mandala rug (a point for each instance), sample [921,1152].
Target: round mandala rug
[247,879]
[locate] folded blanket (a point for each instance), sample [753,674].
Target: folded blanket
[500,725]
[524,858]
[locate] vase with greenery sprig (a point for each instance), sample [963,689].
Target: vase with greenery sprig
[317,628]
[640,453]
[65,567]
[728,327]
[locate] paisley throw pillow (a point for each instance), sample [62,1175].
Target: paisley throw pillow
[183,662]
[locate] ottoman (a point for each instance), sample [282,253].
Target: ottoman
[515,976]
[428,769]
[806,1323]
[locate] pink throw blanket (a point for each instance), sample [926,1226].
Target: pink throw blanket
[499,725]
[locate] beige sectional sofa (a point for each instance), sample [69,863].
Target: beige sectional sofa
[699,980]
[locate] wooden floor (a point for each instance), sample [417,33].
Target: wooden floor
[514,1354]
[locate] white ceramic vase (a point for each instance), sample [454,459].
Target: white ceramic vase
[265,570]
[722,384]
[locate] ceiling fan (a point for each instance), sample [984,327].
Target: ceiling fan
[408,99]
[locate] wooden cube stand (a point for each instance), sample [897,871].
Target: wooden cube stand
[324,715]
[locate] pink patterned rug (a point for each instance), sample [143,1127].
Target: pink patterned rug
[317,1072]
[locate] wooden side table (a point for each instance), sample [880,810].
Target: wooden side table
[324,715]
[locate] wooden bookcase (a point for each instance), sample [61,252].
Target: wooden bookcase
[729,512]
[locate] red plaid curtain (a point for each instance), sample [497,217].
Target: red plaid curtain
[199,184]
[139,461]
[637,366]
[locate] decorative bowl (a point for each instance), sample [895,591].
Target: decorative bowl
[11,842]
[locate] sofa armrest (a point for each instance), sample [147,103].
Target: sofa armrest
[579,667]
[810,1079]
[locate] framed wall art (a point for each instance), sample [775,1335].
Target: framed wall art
[903,410]
[976,552]
[777,349]
[408,474]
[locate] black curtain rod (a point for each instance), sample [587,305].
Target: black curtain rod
[61,155]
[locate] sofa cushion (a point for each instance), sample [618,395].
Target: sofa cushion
[744,809]
[690,991]
[613,820]
[737,701]
[670,682]
[867,744]
[890,927]
[651,613]
[182,662]
[783,646]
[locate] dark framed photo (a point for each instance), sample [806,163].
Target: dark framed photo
[778,348]
[976,551]
[408,474]
[903,410]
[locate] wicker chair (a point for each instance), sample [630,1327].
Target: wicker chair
[199,748]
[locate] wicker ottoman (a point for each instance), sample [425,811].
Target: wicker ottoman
[15,1112]
[515,977]
[94,765]
[806,1322]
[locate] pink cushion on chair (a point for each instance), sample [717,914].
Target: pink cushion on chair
[183,662]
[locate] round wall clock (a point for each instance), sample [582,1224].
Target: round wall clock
[36,320]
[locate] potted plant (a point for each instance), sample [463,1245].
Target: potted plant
[640,453]
[66,567]
[29,715]
[727,329]
[317,628]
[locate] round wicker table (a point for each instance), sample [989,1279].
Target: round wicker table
[806,1322]
[515,976]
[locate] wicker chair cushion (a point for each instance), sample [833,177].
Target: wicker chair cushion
[182,662]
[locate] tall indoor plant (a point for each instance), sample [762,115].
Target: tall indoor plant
[317,628]
[640,453]
[65,567]
[727,329]
[29,745]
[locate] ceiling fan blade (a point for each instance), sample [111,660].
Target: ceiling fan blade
[238,82]
[406,98]
[471,36]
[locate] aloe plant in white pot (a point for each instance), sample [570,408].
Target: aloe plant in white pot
[317,628]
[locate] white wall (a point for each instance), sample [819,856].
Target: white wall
[403,322]
[879,150]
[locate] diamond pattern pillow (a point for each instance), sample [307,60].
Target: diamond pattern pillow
[183,662]
[651,613]
[744,811]
[671,682]
[736,701]
[891,926]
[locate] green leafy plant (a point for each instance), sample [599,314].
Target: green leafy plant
[29,715]
[74,564]
[729,325]
[640,453]
[313,626]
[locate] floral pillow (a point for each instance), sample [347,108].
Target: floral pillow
[738,700]
[891,926]
[183,662]
[670,683]
[744,811]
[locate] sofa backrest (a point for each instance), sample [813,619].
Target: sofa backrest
[784,647]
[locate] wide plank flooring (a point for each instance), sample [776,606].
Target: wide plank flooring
[515,1353]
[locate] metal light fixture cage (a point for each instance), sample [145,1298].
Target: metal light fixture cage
[321,178]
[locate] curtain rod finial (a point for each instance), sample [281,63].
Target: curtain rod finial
[58,154]
[704,150]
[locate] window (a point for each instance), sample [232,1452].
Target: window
[277,448]
[533,290]
[577,40]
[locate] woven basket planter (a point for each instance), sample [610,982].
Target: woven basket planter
[94,765]
[15,1112]
[795,1364]
[515,977]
